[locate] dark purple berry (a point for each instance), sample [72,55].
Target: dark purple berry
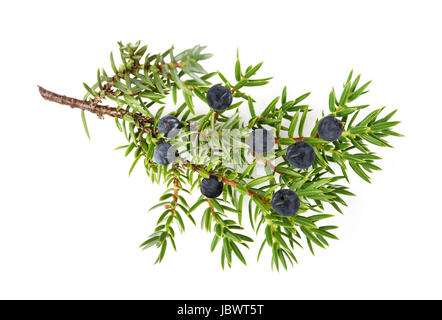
[164,154]
[330,128]
[261,141]
[169,125]
[211,187]
[285,202]
[301,155]
[219,98]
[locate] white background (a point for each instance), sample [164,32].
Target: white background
[71,220]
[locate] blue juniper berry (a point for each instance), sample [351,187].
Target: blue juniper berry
[285,202]
[211,187]
[301,155]
[330,128]
[219,98]
[164,153]
[169,125]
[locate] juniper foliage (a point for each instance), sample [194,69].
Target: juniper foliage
[139,86]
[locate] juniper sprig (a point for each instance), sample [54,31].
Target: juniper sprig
[217,153]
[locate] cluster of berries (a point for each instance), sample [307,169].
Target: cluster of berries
[300,155]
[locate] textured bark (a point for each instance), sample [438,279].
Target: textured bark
[145,123]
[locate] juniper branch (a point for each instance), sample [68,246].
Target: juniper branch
[136,86]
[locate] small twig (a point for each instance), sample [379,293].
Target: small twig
[176,184]
[97,109]
[265,161]
[107,87]
[211,206]
[297,138]
[224,179]
[216,117]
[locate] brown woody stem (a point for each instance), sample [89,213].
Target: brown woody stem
[211,207]
[265,161]
[297,138]
[224,179]
[100,110]
[176,184]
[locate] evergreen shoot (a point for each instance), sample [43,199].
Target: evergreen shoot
[218,154]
